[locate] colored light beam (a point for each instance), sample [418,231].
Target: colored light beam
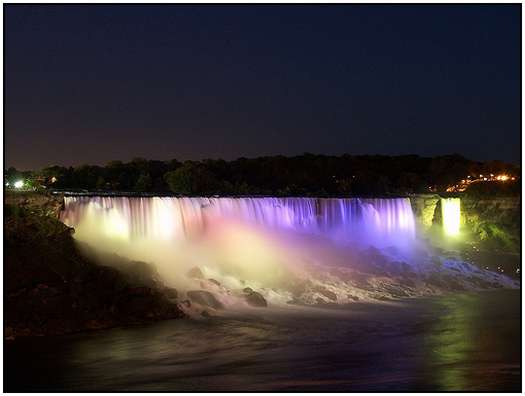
[451,211]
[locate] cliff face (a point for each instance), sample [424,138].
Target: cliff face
[492,222]
[495,222]
[36,203]
[425,207]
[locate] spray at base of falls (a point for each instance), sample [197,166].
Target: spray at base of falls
[303,250]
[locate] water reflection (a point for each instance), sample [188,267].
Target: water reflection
[474,338]
[450,340]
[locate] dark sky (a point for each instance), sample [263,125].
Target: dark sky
[88,84]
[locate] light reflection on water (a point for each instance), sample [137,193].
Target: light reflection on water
[462,351]
[457,342]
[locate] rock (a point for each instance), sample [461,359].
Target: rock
[195,273]
[325,292]
[215,282]
[54,288]
[205,314]
[328,294]
[205,298]
[355,298]
[141,273]
[170,292]
[255,299]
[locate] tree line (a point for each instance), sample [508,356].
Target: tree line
[303,175]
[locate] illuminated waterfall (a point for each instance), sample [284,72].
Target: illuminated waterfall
[267,243]
[451,212]
[372,220]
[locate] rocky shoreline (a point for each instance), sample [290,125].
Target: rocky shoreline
[51,288]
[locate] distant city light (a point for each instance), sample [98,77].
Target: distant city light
[19,184]
[460,187]
[7,184]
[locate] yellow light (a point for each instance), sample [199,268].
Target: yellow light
[450,209]
[115,225]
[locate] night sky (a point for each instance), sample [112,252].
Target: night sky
[90,84]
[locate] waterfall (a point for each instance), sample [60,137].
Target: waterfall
[375,220]
[281,245]
[451,213]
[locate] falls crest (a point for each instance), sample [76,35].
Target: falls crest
[374,220]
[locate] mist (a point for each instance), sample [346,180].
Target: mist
[292,250]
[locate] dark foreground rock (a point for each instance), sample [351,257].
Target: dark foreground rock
[51,288]
[204,298]
[42,204]
[254,298]
[326,293]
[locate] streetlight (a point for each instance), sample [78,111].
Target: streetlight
[19,184]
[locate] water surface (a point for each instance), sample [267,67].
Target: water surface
[456,342]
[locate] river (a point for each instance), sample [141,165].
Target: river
[456,342]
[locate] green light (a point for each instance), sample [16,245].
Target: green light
[450,209]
